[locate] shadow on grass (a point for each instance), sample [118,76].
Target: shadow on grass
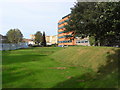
[105,77]
[6,59]
[11,76]
[112,63]
[18,77]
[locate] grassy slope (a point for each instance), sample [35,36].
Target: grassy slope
[91,57]
[37,67]
[103,60]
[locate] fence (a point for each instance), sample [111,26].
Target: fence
[6,46]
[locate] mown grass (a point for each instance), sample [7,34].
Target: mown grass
[55,67]
[91,57]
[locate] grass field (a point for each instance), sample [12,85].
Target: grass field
[55,67]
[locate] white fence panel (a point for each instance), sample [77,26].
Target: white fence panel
[8,46]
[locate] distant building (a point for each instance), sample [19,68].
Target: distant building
[68,37]
[51,40]
[29,41]
[83,42]
[32,36]
[3,39]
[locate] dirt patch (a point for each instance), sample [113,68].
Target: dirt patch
[69,77]
[60,68]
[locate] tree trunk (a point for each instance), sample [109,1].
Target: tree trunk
[96,41]
[101,42]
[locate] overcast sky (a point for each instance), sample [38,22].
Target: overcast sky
[33,15]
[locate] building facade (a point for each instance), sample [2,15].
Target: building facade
[32,36]
[66,37]
[83,42]
[3,39]
[29,41]
[51,40]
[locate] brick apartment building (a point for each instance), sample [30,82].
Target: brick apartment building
[65,37]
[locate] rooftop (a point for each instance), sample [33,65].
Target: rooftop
[65,16]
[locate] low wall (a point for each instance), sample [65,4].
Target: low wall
[9,46]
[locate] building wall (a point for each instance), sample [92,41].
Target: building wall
[32,36]
[83,42]
[66,38]
[62,34]
[31,42]
[51,40]
[48,39]
[54,39]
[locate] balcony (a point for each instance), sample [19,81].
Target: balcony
[63,22]
[66,36]
[63,32]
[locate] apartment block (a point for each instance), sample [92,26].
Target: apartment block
[66,37]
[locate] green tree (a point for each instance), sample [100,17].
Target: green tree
[98,19]
[43,40]
[38,37]
[14,36]
[92,40]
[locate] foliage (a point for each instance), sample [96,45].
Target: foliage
[43,39]
[14,36]
[38,37]
[98,19]
[92,40]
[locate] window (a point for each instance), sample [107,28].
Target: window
[82,41]
[77,41]
[86,41]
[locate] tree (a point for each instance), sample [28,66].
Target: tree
[14,36]
[43,40]
[38,37]
[80,21]
[92,40]
[98,19]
